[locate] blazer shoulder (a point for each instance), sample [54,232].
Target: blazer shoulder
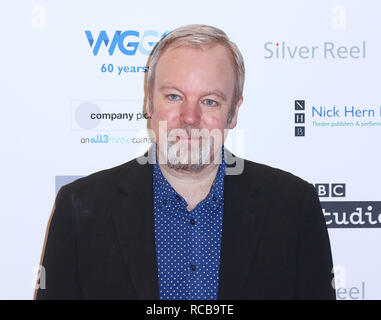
[103,180]
[274,178]
[282,189]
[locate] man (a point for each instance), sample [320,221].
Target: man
[189,220]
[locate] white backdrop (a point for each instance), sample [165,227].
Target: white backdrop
[325,53]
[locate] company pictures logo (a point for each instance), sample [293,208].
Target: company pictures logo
[128,42]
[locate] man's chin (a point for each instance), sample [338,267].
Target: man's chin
[187,159]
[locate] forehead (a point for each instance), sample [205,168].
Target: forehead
[207,67]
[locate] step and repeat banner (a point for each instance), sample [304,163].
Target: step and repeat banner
[72,97]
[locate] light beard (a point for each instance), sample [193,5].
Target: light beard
[181,153]
[190,156]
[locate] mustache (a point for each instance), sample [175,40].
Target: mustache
[188,131]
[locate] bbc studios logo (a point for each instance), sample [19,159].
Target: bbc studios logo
[334,190]
[347,214]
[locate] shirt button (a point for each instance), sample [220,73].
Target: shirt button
[192,221]
[177,197]
[165,201]
[192,267]
[214,198]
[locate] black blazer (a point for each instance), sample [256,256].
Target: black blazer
[100,242]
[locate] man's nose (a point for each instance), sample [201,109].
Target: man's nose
[190,113]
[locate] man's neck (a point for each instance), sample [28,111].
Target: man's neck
[192,185]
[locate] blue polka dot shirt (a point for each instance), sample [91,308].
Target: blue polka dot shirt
[188,243]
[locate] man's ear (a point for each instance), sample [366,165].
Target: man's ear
[233,121]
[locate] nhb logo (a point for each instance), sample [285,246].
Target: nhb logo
[128,42]
[300,131]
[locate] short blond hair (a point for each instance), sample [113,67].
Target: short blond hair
[198,36]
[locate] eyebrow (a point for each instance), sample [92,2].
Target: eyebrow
[215,92]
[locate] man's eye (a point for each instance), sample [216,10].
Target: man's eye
[209,102]
[173,97]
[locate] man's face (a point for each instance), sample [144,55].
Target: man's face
[193,89]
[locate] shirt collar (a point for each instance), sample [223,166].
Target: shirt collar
[167,193]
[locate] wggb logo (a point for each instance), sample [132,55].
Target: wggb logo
[128,42]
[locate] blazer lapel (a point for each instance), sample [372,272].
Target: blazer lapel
[243,220]
[132,212]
